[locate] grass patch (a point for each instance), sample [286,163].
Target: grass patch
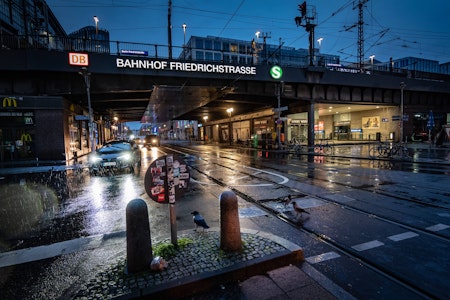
[167,250]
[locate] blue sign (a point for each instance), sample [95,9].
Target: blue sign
[134,52]
[430,123]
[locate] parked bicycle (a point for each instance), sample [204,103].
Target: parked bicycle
[324,148]
[390,150]
[295,146]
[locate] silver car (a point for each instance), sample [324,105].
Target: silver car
[115,155]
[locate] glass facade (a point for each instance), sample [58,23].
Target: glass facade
[218,49]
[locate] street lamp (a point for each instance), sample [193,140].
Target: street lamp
[371,60]
[230,130]
[87,80]
[319,40]
[184,40]
[96,26]
[402,87]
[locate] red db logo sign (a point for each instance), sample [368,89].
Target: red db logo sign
[78,59]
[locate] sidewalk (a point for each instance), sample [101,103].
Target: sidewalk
[268,267]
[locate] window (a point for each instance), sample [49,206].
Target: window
[233,48]
[217,46]
[199,55]
[208,56]
[208,45]
[198,44]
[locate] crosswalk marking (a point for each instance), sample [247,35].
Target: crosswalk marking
[368,245]
[437,227]
[322,257]
[402,236]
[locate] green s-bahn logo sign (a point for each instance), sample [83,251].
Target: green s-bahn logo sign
[276,72]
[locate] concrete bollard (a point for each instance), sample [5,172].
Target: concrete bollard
[139,243]
[230,230]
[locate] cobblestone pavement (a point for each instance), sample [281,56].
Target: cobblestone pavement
[202,254]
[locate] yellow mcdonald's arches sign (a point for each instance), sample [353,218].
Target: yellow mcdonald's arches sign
[26,137]
[9,102]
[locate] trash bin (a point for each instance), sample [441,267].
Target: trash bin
[378,136]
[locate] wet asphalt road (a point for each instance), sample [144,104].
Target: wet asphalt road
[80,205]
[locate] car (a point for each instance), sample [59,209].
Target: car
[152,140]
[115,155]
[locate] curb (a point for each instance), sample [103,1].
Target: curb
[238,272]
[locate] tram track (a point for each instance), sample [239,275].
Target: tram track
[334,244]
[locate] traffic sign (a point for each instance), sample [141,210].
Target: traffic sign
[81,118]
[166,179]
[283,108]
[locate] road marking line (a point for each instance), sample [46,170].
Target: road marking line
[322,257]
[368,245]
[402,236]
[437,227]
[285,179]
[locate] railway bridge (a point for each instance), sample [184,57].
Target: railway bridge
[45,89]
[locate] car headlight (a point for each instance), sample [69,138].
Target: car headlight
[125,157]
[95,159]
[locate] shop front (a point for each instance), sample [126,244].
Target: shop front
[41,128]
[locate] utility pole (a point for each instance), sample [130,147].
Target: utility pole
[361,33]
[266,36]
[169,28]
[310,22]
[87,81]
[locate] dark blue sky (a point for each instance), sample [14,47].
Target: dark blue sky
[393,28]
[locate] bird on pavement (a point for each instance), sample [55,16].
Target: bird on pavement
[199,220]
[298,210]
[287,200]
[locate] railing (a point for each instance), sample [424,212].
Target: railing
[55,43]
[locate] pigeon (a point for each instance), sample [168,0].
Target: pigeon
[287,200]
[298,210]
[199,220]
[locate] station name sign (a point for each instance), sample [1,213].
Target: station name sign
[183,66]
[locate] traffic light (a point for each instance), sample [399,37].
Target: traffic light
[302,8]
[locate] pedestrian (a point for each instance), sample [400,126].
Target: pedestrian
[440,137]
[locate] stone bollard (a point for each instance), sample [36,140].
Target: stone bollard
[230,231]
[139,243]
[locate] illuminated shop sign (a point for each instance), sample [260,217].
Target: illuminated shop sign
[9,102]
[183,66]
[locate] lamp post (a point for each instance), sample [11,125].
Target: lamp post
[96,32]
[230,130]
[402,87]
[184,40]
[87,80]
[96,26]
[371,61]
[319,41]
